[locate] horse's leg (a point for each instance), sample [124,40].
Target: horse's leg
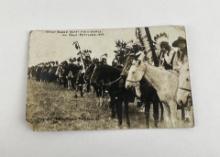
[188,108]
[127,113]
[160,105]
[65,83]
[168,108]
[182,109]
[187,113]
[156,113]
[183,113]
[76,91]
[69,84]
[96,91]
[59,81]
[173,108]
[81,90]
[162,111]
[119,111]
[112,106]
[74,83]
[147,109]
[88,87]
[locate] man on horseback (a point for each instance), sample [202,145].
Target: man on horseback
[87,58]
[181,54]
[166,55]
[70,75]
[103,58]
[165,51]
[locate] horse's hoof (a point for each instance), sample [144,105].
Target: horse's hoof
[147,125]
[156,124]
[128,124]
[187,120]
[120,124]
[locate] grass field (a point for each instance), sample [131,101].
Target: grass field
[51,107]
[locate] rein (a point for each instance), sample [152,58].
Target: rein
[133,81]
[112,82]
[186,89]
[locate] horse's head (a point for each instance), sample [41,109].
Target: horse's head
[135,74]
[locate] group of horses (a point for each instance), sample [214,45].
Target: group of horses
[67,75]
[155,86]
[163,89]
[111,79]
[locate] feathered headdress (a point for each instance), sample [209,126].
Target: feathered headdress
[161,37]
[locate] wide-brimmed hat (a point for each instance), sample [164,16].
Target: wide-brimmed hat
[178,41]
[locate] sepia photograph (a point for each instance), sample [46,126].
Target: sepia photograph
[96,79]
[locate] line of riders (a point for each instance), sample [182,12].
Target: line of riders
[81,73]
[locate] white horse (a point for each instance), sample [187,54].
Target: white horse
[165,82]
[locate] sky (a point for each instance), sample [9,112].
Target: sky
[58,45]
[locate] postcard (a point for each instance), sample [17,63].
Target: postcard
[96,79]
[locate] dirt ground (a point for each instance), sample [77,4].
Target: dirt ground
[51,107]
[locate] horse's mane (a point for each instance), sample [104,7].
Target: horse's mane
[114,69]
[161,70]
[158,77]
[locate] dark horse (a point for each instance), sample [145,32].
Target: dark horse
[109,77]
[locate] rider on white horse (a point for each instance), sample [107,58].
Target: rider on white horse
[181,54]
[166,55]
